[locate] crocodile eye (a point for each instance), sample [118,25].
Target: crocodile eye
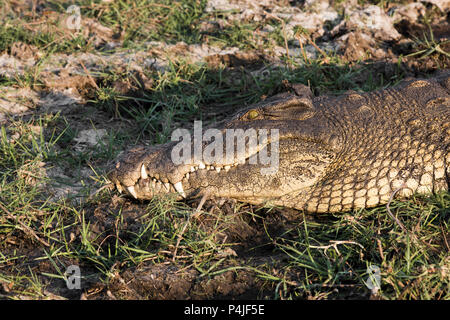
[253,114]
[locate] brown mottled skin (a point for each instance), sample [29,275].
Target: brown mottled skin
[335,153]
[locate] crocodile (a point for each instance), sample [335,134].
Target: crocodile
[334,153]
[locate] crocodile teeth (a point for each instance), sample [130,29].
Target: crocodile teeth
[227,168]
[119,187]
[187,175]
[132,191]
[167,186]
[144,174]
[201,165]
[192,169]
[179,187]
[218,169]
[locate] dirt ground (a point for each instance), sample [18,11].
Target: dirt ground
[382,41]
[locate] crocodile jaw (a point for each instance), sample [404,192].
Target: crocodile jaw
[147,172]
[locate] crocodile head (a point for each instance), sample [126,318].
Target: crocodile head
[326,154]
[270,152]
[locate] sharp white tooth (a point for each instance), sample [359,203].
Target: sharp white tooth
[192,169]
[119,187]
[208,167]
[187,175]
[218,169]
[227,168]
[201,165]
[167,186]
[132,191]
[179,187]
[144,174]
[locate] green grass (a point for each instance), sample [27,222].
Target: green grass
[176,96]
[149,20]
[413,264]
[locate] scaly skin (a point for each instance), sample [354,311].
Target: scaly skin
[335,153]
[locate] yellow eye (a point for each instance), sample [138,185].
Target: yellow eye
[253,114]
